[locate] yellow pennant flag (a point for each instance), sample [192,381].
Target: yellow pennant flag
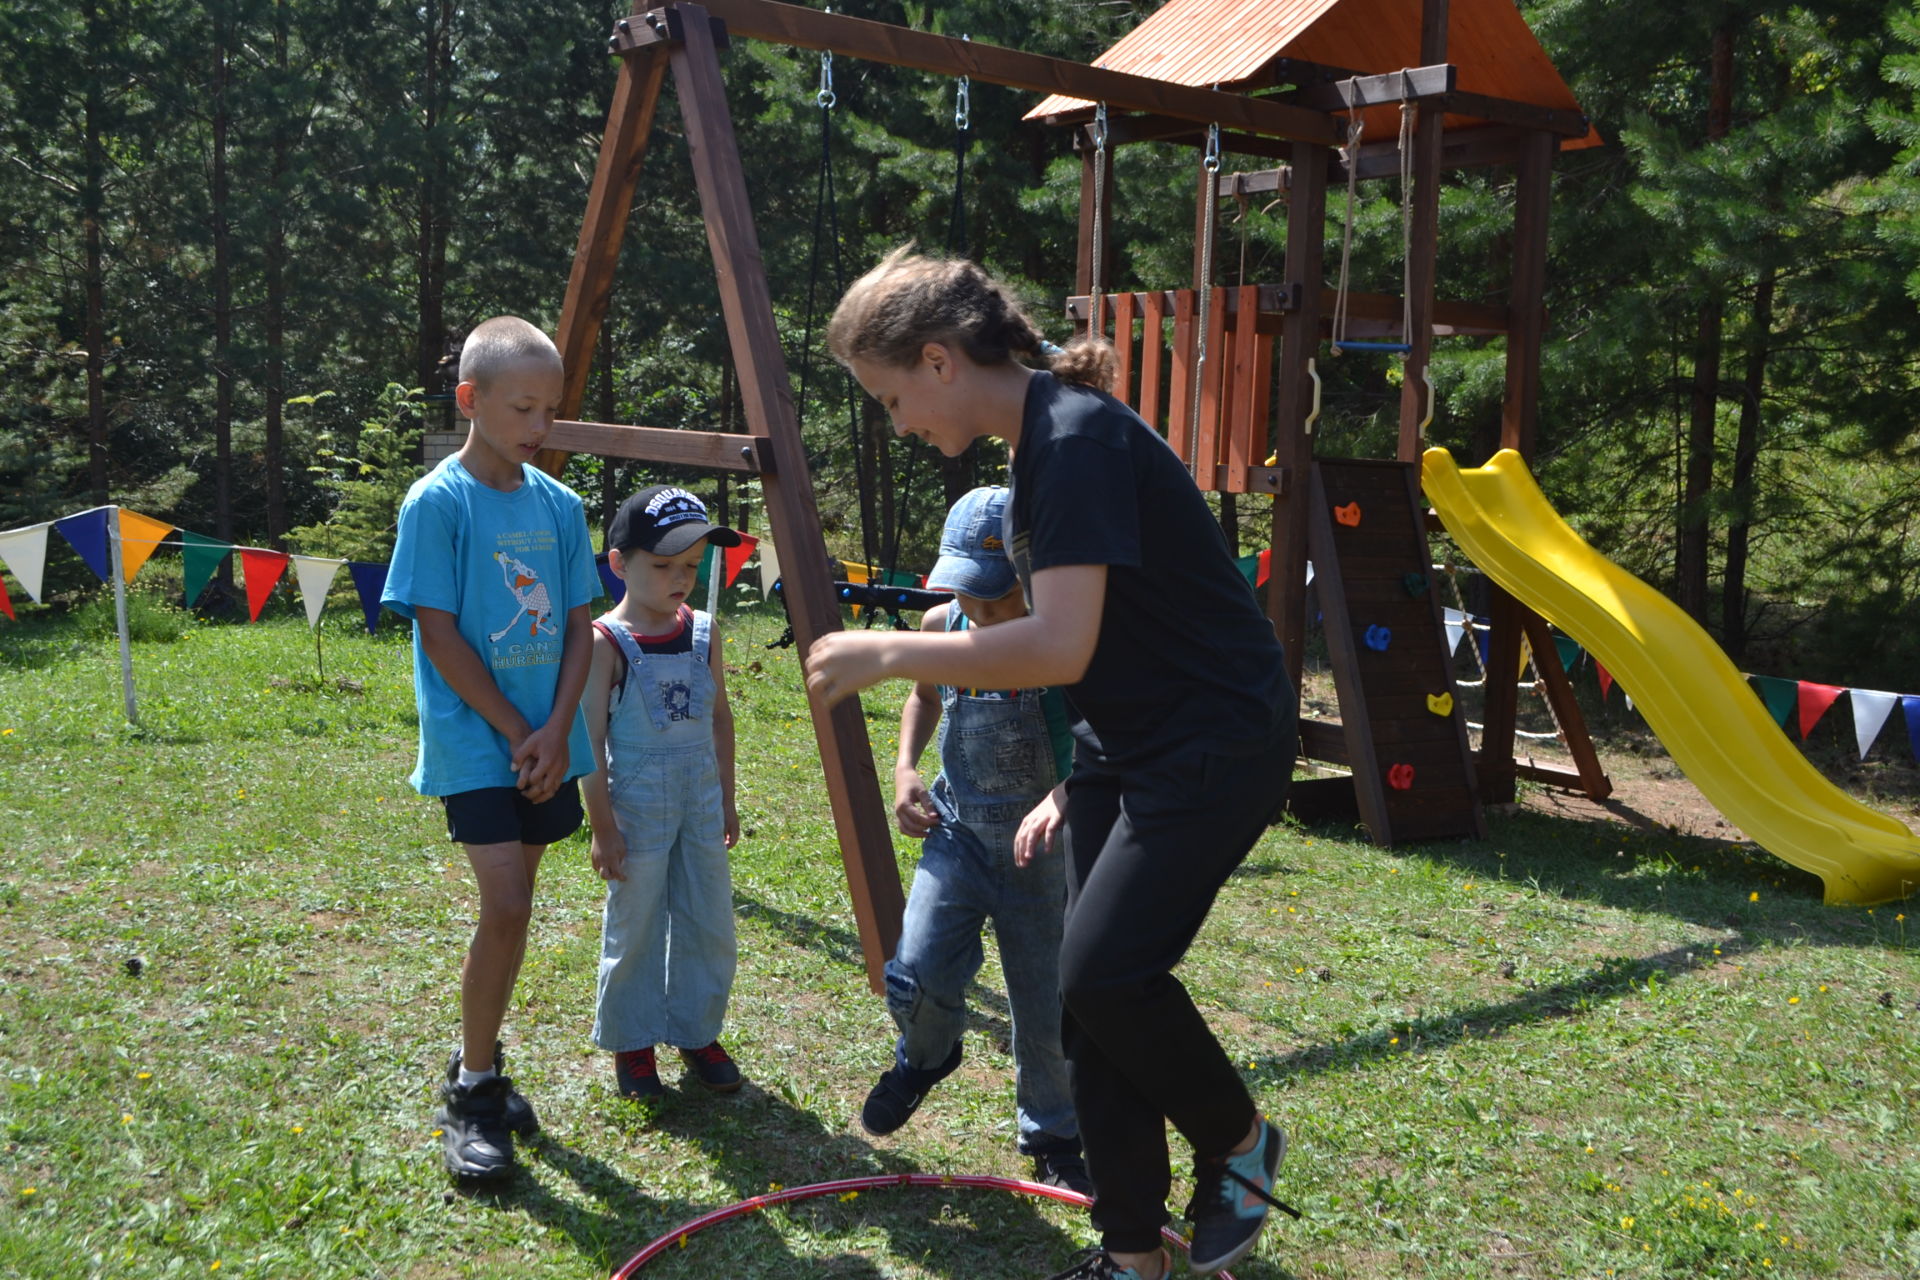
[140,537]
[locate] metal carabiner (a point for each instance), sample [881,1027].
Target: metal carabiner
[1212,160]
[1100,127]
[963,101]
[825,97]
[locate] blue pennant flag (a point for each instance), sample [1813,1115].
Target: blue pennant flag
[369,580]
[608,579]
[1911,706]
[88,534]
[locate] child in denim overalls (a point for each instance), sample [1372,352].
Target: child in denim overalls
[662,809]
[1001,752]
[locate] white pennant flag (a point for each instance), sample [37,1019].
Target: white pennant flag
[316,577]
[25,552]
[1456,623]
[1309,573]
[769,567]
[1870,711]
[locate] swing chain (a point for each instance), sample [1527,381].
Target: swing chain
[963,101]
[1096,301]
[1210,163]
[825,98]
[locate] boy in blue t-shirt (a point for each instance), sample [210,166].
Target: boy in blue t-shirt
[494,566]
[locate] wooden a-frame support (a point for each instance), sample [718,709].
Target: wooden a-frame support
[684,44]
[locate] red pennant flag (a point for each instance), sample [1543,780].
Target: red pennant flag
[737,557]
[1814,701]
[1606,679]
[6,601]
[263,570]
[1265,570]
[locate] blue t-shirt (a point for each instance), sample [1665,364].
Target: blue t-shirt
[508,567]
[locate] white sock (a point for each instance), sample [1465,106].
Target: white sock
[470,1078]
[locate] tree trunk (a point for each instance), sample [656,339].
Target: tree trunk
[92,202]
[1746,458]
[430,258]
[275,318]
[222,289]
[1691,561]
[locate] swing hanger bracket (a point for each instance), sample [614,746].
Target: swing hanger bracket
[660,26]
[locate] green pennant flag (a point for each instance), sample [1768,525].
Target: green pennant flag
[1569,649]
[200,557]
[1781,696]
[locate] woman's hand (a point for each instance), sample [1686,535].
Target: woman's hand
[842,663]
[1038,828]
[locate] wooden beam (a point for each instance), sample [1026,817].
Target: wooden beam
[1414,84]
[711,450]
[1526,310]
[804,28]
[860,820]
[636,92]
[1368,313]
[1293,398]
[1566,708]
[1521,115]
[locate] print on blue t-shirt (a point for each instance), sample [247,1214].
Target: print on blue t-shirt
[508,566]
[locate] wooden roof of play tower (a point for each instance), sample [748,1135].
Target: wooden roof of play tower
[1247,45]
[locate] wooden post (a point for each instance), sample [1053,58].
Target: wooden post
[866,843]
[1526,309]
[629,124]
[1299,341]
[1424,246]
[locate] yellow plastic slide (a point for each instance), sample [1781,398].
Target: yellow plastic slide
[1712,723]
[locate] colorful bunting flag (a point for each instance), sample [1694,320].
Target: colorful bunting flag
[1779,694]
[25,552]
[87,534]
[1814,701]
[369,580]
[1910,707]
[1569,650]
[1870,711]
[1606,678]
[6,601]
[140,537]
[200,556]
[315,576]
[263,569]
[769,568]
[1456,625]
[737,557]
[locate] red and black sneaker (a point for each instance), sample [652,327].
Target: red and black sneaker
[713,1068]
[636,1074]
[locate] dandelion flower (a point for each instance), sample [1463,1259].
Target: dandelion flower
[1754,896]
[1793,999]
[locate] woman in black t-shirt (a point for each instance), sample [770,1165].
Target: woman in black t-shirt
[1184,726]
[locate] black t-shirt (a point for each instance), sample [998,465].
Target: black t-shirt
[1185,656]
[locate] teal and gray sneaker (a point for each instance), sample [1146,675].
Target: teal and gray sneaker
[1231,1195]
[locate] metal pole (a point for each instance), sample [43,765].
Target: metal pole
[120,616]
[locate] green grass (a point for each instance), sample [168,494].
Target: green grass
[1571,1050]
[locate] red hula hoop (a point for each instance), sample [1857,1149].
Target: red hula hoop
[677,1238]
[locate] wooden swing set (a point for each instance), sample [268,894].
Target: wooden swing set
[1228,373]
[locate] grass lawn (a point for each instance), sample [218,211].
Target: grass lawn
[229,942]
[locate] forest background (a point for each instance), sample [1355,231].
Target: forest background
[241,237]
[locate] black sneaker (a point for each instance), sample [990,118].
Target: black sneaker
[520,1117]
[473,1129]
[713,1068]
[1065,1169]
[1230,1199]
[1097,1264]
[637,1075]
[900,1092]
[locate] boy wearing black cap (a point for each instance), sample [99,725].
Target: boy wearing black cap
[662,806]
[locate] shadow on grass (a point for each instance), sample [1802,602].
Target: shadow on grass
[1611,979]
[753,1142]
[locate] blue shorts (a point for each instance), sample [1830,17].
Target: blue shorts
[502,815]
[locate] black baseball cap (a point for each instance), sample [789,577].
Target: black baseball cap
[665,521]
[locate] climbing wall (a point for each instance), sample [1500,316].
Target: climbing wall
[1401,731]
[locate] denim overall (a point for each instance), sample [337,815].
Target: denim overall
[667,947]
[996,761]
